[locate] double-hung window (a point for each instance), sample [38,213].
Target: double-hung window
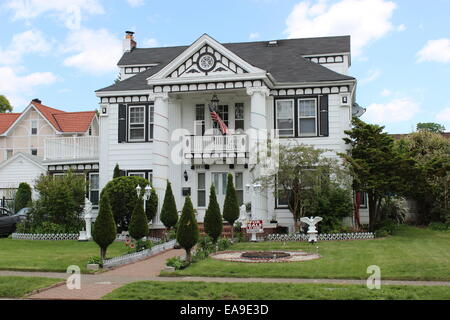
[200,120]
[201,190]
[151,117]
[136,122]
[94,188]
[307,117]
[285,118]
[239,178]
[239,117]
[34,127]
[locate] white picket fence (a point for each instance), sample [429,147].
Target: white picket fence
[134,257]
[321,237]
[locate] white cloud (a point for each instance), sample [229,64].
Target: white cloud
[28,42]
[136,3]
[365,20]
[151,42]
[69,12]
[254,36]
[444,116]
[19,88]
[397,110]
[372,75]
[94,51]
[435,51]
[386,93]
[401,28]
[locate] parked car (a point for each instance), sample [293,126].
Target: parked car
[9,220]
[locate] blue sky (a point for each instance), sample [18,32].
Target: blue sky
[62,51]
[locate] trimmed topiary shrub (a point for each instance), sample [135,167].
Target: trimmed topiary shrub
[231,207]
[138,227]
[23,197]
[188,234]
[152,205]
[213,219]
[123,197]
[169,213]
[104,231]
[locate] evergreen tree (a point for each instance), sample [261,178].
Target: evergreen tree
[116,172]
[231,207]
[169,214]
[188,234]
[152,205]
[23,197]
[139,224]
[5,106]
[213,219]
[105,229]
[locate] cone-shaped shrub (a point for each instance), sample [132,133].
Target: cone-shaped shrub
[139,224]
[231,207]
[213,219]
[104,232]
[187,233]
[152,205]
[116,171]
[169,213]
[23,197]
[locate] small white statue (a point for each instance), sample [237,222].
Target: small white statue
[312,231]
[242,213]
[88,217]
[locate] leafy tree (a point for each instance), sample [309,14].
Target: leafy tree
[429,185]
[104,231]
[139,224]
[431,127]
[5,106]
[230,206]
[213,219]
[376,166]
[123,197]
[301,172]
[152,205]
[23,197]
[117,173]
[187,233]
[169,213]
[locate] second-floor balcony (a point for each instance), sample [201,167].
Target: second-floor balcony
[71,148]
[220,146]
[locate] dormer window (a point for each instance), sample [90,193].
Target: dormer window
[34,127]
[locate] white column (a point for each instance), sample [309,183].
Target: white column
[161,150]
[258,132]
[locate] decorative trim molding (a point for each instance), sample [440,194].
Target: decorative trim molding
[136,70]
[125,99]
[175,88]
[326,59]
[310,91]
[77,167]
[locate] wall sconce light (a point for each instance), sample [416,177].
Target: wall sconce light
[186,177]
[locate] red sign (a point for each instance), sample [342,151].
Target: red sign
[255,226]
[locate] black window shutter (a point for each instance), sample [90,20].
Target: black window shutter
[123,173]
[324,121]
[122,123]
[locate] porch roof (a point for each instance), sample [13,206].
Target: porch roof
[285,62]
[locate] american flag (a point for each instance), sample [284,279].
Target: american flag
[216,118]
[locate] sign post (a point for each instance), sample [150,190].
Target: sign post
[254,227]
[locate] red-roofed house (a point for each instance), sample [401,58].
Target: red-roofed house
[57,139]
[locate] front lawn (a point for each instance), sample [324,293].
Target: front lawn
[18,287]
[54,256]
[271,291]
[412,254]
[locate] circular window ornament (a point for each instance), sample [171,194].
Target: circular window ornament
[206,62]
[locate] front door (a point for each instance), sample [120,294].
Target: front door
[220,183]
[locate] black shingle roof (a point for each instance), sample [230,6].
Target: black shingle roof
[284,62]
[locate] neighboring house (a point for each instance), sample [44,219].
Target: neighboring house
[54,139]
[299,87]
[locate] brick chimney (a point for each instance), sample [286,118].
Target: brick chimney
[37,101]
[128,43]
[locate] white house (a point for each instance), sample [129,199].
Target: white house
[155,122]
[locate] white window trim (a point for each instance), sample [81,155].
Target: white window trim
[293,118]
[151,123]
[205,190]
[31,127]
[90,189]
[129,123]
[136,173]
[299,118]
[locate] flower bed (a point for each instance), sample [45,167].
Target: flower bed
[45,237]
[321,237]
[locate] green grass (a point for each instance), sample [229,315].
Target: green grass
[54,256]
[271,291]
[412,254]
[17,287]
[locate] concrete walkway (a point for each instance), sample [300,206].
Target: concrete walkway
[94,287]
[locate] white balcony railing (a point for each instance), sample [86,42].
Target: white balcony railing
[71,148]
[215,144]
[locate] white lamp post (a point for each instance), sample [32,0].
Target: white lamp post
[147,193]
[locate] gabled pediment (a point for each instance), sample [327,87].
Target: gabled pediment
[205,58]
